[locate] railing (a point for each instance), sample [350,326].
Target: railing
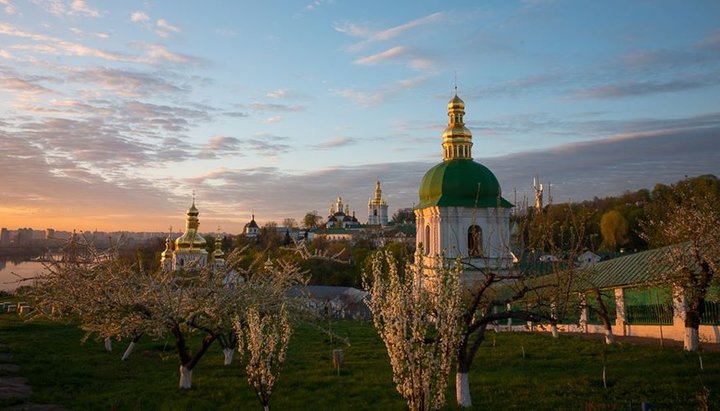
[711,316]
[652,314]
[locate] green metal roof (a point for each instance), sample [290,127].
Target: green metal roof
[634,269]
[461,183]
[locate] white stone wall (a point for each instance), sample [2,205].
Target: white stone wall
[449,233]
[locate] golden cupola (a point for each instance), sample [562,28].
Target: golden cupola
[457,139]
[218,254]
[191,239]
[167,253]
[377,199]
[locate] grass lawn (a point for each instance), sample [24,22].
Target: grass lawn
[555,374]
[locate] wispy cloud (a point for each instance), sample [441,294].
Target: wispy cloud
[9,8]
[220,146]
[378,96]
[370,36]
[315,4]
[711,41]
[154,53]
[165,29]
[139,17]
[80,7]
[75,7]
[279,93]
[334,143]
[227,33]
[267,144]
[401,54]
[644,88]
[272,120]
[236,114]
[127,83]
[275,107]
[15,84]
[99,34]
[158,54]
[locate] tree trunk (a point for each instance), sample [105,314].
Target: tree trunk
[266,408]
[462,390]
[228,352]
[692,325]
[554,330]
[691,339]
[108,344]
[609,337]
[185,377]
[128,350]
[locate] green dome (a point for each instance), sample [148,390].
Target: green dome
[461,183]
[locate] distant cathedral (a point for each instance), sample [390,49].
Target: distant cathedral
[377,208]
[340,217]
[189,251]
[461,212]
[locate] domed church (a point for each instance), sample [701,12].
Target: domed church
[190,250]
[461,212]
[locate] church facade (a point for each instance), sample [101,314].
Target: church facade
[461,212]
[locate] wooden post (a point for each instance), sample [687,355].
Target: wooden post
[337,359]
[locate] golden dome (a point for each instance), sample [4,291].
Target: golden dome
[218,253]
[457,139]
[191,239]
[456,103]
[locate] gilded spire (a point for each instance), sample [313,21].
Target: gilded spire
[191,238]
[377,199]
[218,252]
[457,139]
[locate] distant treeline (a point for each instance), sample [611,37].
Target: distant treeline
[614,223]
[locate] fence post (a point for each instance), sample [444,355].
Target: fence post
[508,308]
[620,318]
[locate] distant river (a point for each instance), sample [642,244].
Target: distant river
[8,281]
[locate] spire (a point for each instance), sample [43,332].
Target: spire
[191,238]
[457,139]
[218,252]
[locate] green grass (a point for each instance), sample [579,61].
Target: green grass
[555,374]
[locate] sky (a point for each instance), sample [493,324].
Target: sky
[113,113]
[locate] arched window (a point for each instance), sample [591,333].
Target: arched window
[475,248]
[427,240]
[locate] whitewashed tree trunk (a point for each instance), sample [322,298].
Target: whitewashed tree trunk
[266,408]
[554,330]
[128,350]
[691,339]
[609,337]
[228,352]
[185,377]
[462,390]
[108,344]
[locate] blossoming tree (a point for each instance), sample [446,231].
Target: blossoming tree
[418,319]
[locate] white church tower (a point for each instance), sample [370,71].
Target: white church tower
[377,208]
[461,211]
